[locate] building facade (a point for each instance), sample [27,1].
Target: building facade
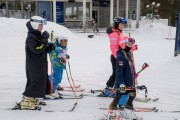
[67,12]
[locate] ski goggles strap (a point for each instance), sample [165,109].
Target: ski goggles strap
[44,22]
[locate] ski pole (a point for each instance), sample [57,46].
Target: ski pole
[71,74]
[51,36]
[70,83]
[51,77]
[51,80]
[75,104]
[145,65]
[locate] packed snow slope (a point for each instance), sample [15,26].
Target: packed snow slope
[91,67]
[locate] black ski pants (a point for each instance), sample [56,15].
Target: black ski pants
[111,81]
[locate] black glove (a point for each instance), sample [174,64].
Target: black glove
[63,61]
[67,56]
[45,35]
[50,47]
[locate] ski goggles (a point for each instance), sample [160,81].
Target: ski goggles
[63,41]
[44,22]
[123,21]
[129,40]
[132,40]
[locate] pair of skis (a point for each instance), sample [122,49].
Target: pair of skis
[63,97]
[137,109]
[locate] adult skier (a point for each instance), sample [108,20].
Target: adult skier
[36,47]
[115,35]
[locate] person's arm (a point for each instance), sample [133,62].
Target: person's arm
[113,44]
[35,46]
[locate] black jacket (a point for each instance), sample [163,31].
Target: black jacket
[36,63]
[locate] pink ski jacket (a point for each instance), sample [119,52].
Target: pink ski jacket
[114,37]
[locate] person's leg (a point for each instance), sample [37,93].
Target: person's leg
[111,81]
[115,101]
[57,75]
[128,110]
[122,102]
[129,104]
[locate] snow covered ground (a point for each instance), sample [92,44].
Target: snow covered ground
[90,65]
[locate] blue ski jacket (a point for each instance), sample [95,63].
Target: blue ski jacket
[125,69]
[59,51]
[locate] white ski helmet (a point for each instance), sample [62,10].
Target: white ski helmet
[61,38]
[36,20]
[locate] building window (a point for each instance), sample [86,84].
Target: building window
[2,8]
[74,10]
[29,9]
[14,8]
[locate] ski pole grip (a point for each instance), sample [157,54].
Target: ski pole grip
[145,66]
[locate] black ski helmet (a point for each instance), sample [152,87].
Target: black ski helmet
[118,20]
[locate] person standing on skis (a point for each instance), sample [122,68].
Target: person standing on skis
[115,36]
[125,78]
[58,58]
[36,47]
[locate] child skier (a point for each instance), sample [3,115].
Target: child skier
[125,78]
[58,58]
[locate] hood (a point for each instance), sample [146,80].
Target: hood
[29,27]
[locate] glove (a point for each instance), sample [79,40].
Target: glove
[50,47]
[137,75]
[63,61]
[122,88]
[61,55]
[134,47]
[45,35]
[67,56]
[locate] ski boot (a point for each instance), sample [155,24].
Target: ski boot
[29,106]
[110,115]
[29,103]
[129,114]
[38,102]
[114,103]
[55,95]
[60,88]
